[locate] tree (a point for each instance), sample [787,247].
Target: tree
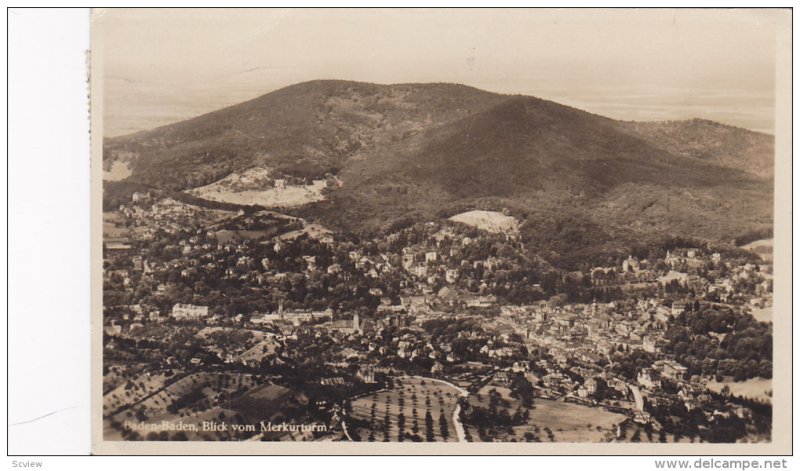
[429,433]
[557,300]
[443,425]
[401,423]
[600,391]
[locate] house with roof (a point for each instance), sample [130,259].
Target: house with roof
[648,379]
[671,369]
[189,311]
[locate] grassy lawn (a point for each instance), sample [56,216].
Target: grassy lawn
[549,420]
[754,388]
[574,422]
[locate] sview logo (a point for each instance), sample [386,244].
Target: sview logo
[26,464]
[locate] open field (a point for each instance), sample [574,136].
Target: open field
[148,394]
[315,231]
[119,171]
[674,275]
[764,248]
[261,225]
[181,213]
[255,187]
[226,236]
[132,391]
[567,422]
[189,400]
[114,225]
[762,314]
[420,409]
[754,388]
[275,197]
[261,403]
[574,422]
[490,221]
[110,230]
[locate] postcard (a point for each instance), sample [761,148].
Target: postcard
[441,231]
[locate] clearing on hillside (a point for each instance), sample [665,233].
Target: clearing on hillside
[256,186]
[490,221]
[763,248]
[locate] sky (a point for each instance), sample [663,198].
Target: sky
[162,66]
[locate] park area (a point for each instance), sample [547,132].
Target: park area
[410,409]
[548,421]
[574,422]
[754,388]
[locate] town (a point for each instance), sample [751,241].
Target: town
[439,331]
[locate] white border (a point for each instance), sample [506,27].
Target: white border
[50,234]
[48,312]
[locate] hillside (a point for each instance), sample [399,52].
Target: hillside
[548,162]
[710,141]
[579,183]
[518,145]
[306,130]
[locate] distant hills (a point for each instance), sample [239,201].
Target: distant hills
[414,152]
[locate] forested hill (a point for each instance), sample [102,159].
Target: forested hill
[413,152]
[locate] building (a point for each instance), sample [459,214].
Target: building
[451,275]
[420,271]
[649,344]
[311,262]
[671,259]
[367,375]
[591,386]
[671,369]
[266,318]
[335,381]
[189,311]
[481,301]
[648,379]
[630,264]
[677,308]
[408,260]
[117,245]
[137,196]
[360,326]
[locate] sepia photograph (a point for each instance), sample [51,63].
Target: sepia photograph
[441,231]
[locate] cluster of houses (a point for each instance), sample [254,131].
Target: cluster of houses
[588,334]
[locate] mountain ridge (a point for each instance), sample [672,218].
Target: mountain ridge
[411,152]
